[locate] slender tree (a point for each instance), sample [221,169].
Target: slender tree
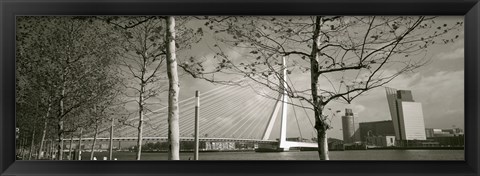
[69,52]
[147,44]
[143,56]
[173,91]
[32,77]
[343,57]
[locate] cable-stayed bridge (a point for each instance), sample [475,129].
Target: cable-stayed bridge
[227,113]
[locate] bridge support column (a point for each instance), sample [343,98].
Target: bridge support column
[197,106]
[283,127]
[272,119]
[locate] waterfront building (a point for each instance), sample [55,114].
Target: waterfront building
[436,132]
[433,132]
[220,145]
[407,115]
[348,126]
[381,141]
[376,128]
[335,144]
[429,132]
[446,137]
[458,131]
[449,141]
[297,139]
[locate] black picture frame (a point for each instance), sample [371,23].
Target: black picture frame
[470,9]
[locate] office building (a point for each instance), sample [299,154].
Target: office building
[407,115]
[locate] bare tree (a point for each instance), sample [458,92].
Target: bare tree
[31,85]
[103,109]
[69,52]
[344,57]
[98,118]
[173,91]
[143,57]
[149,41]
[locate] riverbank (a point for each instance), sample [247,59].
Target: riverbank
[416,148]
[299,155]
[200,151]
[389,148]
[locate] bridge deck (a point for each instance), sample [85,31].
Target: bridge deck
[181,138]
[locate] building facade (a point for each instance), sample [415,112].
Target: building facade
[407,115]
[381,141]
[376,128]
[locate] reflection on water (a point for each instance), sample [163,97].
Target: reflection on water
[305,155]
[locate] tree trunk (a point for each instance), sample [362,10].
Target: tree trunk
[80,145]
[60,140]
[173,91]
[60,124]
[94,141]
[320,124]
[22,147]
[44,131]
[140,127]
[60,151]
[321,127]
[47,149]
[322,144]
[70,148]
[25,142]
[52,149]
[140,109]
[18,141]
[32,146]
[110,150]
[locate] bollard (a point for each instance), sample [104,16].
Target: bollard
[197,112]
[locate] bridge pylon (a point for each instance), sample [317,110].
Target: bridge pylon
[283,144]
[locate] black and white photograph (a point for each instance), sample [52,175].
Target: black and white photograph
[240,88]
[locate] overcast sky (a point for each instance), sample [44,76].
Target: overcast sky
[439,86]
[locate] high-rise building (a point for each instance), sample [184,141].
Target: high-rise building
[407,115]
[348,126]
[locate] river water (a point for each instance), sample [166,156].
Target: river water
[299,155]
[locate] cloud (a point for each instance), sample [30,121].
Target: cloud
[441,95]
[456,54]
[359,108]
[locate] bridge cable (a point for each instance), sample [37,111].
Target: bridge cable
[191,119]
[191,110]
[159,120]
[303,107]
[244,118]
[298,124]
[211,112]
[266,120]
[133,130]
[206,110]
[243,109]
[264,106]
